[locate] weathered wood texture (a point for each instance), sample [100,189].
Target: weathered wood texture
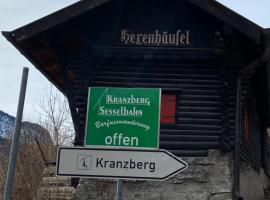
[205,95]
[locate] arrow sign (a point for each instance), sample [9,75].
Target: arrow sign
[118,163]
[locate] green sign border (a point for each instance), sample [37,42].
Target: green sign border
[122,147]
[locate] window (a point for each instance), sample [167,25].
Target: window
[168,108]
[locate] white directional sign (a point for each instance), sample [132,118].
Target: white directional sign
[118,163]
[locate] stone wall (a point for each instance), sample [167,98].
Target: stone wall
[208,178]
[252,183]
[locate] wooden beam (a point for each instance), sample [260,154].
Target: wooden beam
[55,18]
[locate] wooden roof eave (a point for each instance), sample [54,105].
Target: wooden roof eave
[9,36]
[55,19]
[33,29]
[232,18]
[213,7]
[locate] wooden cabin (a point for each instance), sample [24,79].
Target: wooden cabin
[211,63]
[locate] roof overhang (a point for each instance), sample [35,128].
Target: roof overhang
[46,60]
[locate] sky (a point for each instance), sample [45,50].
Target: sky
[16,13]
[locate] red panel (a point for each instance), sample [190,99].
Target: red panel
[168,108]
[246,125]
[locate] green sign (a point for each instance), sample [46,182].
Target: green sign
[123,117]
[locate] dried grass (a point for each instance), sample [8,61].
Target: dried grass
[28,171]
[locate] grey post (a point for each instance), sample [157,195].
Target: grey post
[119,189]
[16,136]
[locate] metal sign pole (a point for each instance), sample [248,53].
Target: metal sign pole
[15,139]
[119,189]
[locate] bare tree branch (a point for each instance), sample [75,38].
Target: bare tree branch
[52,112]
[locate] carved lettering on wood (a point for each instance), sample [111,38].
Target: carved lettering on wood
[156,38]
